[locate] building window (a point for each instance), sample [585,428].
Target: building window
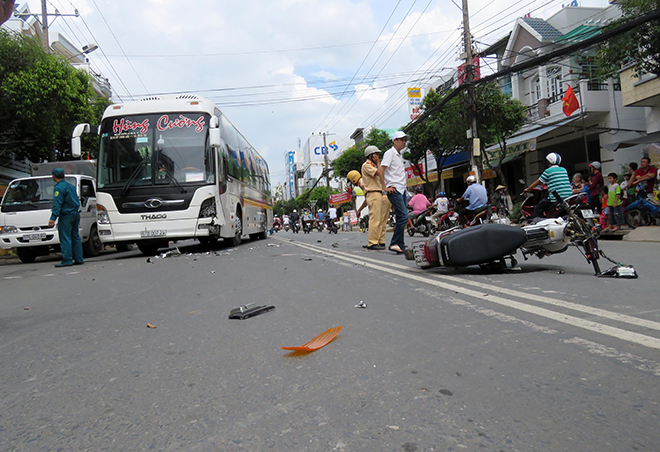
[555,85]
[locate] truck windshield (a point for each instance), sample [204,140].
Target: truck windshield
[160,149]
[31,194]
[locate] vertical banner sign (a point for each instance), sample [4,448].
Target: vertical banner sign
[414,102]
[292,172]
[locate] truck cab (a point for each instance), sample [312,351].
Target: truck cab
[26,208]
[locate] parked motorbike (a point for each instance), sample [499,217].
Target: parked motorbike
[642,212]
[422,223]
[490,245]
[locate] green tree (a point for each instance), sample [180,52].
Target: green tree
[639,47]
[353,157]
[42,98]
[442,132]
[499,116]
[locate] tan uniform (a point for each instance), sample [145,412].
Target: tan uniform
[374,195]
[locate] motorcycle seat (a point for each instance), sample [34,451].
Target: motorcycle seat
[480,244]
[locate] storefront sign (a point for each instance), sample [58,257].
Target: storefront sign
[340,198]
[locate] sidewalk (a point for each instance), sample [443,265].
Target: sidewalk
[644,234]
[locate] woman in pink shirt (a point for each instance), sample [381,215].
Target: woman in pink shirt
[419,202]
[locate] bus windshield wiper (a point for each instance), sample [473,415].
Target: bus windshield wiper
[131,179]
[174,181]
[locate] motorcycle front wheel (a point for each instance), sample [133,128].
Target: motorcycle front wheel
[637,217]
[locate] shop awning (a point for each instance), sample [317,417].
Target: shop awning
[646,139]
[517,145]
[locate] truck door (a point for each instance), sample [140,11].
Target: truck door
[87,206]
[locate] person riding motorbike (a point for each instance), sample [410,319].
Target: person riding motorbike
[478,197]
[320,216]
[556,178]
[441,205]
[294,218]
[277,223]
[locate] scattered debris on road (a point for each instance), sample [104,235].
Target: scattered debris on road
[361,304]
[149,325]
[249,310]
[319,341]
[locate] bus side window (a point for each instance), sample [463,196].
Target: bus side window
[222,171]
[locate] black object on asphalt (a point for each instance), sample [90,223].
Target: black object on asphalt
[248,310]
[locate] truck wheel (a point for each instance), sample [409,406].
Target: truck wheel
[26,255]
[93,246]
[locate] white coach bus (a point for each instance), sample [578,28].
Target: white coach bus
[174,168]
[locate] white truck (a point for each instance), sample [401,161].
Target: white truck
[26,207]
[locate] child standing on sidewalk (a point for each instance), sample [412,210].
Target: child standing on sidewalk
[614,203]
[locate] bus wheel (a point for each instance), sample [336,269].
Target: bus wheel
[26,255]
[238,228]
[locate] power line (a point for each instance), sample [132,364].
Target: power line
[363,60]
[119,44]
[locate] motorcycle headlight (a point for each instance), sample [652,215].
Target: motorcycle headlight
[8,229]
[102,215]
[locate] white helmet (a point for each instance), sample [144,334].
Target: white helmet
[471,179]
[553,158]
[295,210]
[595,165]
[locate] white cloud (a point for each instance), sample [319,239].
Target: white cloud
[277,68]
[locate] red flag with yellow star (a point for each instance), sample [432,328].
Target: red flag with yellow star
[570,102]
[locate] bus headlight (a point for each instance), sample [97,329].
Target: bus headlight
[8,229]
[207,210]
[102,215]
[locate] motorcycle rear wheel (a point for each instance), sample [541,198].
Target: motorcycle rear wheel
[637,217]
[411,231]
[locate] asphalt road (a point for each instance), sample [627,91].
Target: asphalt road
[543,357]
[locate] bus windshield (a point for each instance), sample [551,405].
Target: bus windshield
[159,149]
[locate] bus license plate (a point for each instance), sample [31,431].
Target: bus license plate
[154,233]
[39,236]
[587,213]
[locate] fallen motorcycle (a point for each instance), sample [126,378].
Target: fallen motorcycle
[490,245]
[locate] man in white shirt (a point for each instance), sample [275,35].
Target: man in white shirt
[393,178]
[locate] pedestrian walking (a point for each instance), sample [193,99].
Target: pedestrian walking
[393,178]
[66,206]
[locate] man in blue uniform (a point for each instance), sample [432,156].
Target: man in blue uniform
[66,206]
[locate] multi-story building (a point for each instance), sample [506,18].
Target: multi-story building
[588,133]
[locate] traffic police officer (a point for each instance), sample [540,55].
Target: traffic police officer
[66,206]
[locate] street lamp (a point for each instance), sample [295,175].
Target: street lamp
[86,49]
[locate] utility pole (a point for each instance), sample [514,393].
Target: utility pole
[475,156]
[45,42]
